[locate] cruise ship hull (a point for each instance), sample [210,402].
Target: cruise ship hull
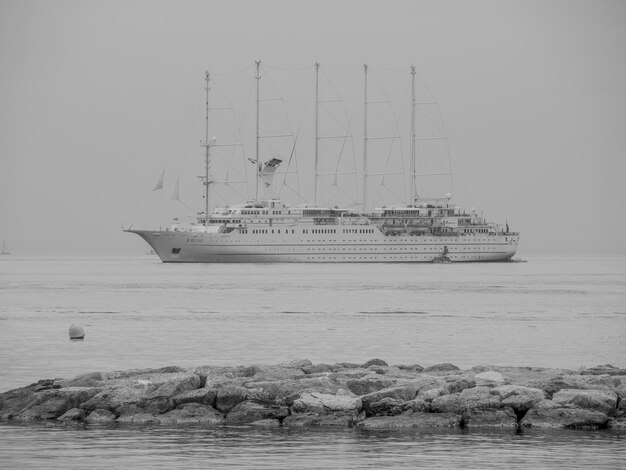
[296,247]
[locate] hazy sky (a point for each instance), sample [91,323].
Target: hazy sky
[96,96]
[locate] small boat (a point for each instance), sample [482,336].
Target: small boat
[443,258]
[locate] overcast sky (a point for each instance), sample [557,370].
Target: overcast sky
[97,97]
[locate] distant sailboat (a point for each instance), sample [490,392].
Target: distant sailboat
[4,249]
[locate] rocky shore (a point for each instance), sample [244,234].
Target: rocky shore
[373,395]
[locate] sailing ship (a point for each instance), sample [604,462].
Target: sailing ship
[4,249]
[269,230]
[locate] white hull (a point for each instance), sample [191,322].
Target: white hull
[297,247]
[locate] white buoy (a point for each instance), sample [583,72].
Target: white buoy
[76,331]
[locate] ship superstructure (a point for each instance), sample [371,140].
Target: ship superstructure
[268,230]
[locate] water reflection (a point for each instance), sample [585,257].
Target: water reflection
[250,447]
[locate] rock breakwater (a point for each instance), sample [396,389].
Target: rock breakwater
[372,395]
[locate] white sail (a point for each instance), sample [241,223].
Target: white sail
[159,183]
[176,192]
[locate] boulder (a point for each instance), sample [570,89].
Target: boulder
[270,373]
[374,362]
[381,370]
[444,367]
[319,368]
[617,423]
[395,372]
[267,390]
[291,390]
[604,381]
[416,404]
[532,377]
[457,384]
[157,405]
[14,401]
[580,382]
[411,368]
[520,398]
[621,404]
[75,414]
[343,376]
[45,384]
[490,377]
[402,393]
[322,403]
[229,396]
[93,379]
[385,407]
[192,413]
[479,398]
[425,382]
[204,396]
[501,418]
[447,404]
[318,409]
[100,416]
[214,377]
[211,372]
[369,384]
[249,411]
[392,406]
[141,386]
[431,394]
[597,400]
[413,420]
[279,390]
[113,398]
[176,386]
[160,375]
[49,404]
[603,369]
[297,364]
[549,414]
[482,398]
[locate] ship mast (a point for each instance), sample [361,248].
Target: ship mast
[413,161]
[365,141]
[207,154]
[258,137]
[317,104]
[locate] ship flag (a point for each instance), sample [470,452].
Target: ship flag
[159,184]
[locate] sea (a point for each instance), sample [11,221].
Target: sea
[557,312]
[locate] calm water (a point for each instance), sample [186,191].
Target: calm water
[138,312]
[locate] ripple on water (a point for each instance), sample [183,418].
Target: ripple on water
[249,447]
